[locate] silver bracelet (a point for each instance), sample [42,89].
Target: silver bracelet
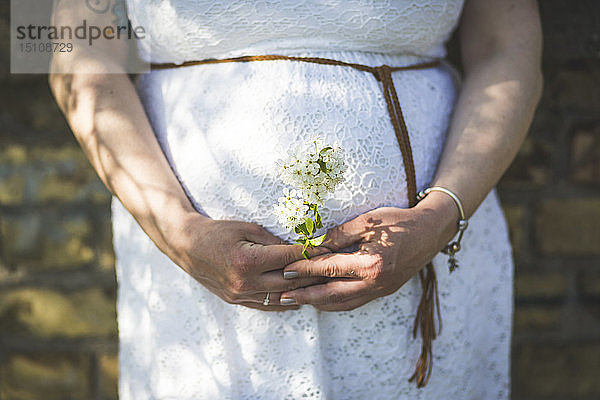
[453,247]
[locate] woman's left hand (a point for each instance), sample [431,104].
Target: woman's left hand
[393,245]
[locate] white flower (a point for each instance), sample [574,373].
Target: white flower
[291,209]
[314,169]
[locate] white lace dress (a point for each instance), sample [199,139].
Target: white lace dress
[223,126]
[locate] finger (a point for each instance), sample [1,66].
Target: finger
[335,265]
[269,307]
[346,234]
[328,294]
[258,234]
[273,281]
[256,301]
[266,300]
[277,256]
[346,305]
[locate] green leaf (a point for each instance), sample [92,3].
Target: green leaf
[315,211]
[310,226]
[318,240]
[301,229]
[318,221]
[325,149]
[322,165]
[304,252]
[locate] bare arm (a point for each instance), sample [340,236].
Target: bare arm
[501,44]
[107,118]
[236,260]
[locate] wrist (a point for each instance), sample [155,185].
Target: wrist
[167,219]
[178,224]
[178,232]
[442,213]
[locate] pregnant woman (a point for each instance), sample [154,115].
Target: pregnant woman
[212,301]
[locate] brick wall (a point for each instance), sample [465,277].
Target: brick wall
[57,287]
[551,196]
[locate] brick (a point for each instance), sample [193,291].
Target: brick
[571,29]
[47,240]
[13,155]
[68,242]
[585,156]
[569,227]
[42,174]
[574,89]
[532,165]
[12,187]
[45,114]
[580,319]
[537,318]
[58,187]
[45,376]
[106,255]
[29,103]
[106,259]
[67,188]
[589,284]
[64,175]
[20,235]
[514,218]
[99,194]
[541,285]
[593,312]
[69,155]
[44,313]
[558,370]
[109,375]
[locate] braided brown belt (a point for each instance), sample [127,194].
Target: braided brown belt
[424,319]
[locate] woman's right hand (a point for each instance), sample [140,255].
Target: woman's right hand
[238,261]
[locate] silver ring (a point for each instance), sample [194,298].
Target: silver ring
[266,301]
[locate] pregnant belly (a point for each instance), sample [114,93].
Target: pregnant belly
[223,127]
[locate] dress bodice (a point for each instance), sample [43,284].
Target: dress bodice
[183,30]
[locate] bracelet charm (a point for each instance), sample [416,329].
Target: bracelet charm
[453,247]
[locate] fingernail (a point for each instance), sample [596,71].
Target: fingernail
[287,302]
[290,274]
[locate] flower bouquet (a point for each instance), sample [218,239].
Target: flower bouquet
[314,171]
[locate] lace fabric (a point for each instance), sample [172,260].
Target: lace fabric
[177,339]
[183,30]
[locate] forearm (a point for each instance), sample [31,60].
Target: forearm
[490,121]
[108,119]
[501,44]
